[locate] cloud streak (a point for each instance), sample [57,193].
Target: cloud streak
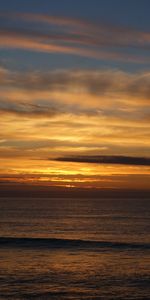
[108,34]
[102,159]
[14,40]
[74,36]
[29,109]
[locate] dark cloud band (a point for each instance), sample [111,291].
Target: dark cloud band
[102,159]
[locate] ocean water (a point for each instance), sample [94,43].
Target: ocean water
[74,249]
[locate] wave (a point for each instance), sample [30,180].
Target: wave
[56,243]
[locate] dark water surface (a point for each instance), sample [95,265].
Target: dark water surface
[74,249]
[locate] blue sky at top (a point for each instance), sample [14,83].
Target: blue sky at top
[134,14]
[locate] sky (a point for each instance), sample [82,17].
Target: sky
[75,92]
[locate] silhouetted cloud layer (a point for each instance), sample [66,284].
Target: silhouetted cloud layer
[102,159]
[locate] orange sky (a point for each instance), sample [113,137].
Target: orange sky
[74,112]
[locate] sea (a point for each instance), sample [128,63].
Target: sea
[62,249]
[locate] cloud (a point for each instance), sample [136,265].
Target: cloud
[43,18]
[107,83]
[105,33]
[14,40]
[29,109]
[74,36]
[102,159]
[108,97]
[43,108]
[86,112]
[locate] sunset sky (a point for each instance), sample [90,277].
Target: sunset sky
[75,93]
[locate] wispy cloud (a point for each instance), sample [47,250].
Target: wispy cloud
[74,36]
[106,33]
[29,109]
[12,39]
